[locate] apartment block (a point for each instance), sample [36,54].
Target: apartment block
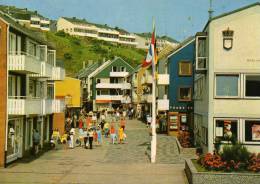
[27,18]
[28,71]
[78,27]
[227,80]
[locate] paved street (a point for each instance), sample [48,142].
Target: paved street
[126,163]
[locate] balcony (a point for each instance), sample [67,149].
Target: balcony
[118,74]
[47,106]
[24,106]
[163,104]
[163,79]
[58,73]
[24,63]
[201,52]
[46,71]
[147,98]
[109,97]
[113,86]
[58,106]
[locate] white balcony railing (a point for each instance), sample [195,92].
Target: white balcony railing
[110,97]
[113,86]
[24,63]
[163,79]
[163,104]
[46,71]
[47,106]
[58,106]
[24,106]
[118,74]
[58,73]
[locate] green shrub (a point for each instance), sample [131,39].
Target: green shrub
[236,152]
[60,33]
[68,56]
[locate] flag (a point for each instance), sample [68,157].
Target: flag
[151,57]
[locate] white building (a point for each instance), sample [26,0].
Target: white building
[227,83]
[78,27]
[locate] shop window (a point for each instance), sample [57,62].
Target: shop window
[185,94]
[226,130]
[227,85]
[185,68]
[252,86]
[252,131]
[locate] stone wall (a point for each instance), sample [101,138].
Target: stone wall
[195,177]
[186,152]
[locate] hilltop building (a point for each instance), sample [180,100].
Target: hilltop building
[80,27]
[30,19]
[227,80]
[28,71]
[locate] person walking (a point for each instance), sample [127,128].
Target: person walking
[36,141]
[85,137]
[99,136]
[90,138]
[121,135]
[123,123]
[106,129]
[112,133]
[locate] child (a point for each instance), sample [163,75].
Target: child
[112,134]
[121,135]
[106,129]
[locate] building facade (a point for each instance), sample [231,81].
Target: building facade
[30,19]
[28,71]
[227,80]
[107,85]
[78,27]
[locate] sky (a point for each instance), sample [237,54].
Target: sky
[175,18]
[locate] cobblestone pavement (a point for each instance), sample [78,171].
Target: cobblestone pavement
[121,163]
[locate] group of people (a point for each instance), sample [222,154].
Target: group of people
[91,128]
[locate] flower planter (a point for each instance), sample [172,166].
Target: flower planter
[186,151]
[196,177]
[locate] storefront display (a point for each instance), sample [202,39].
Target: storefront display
[252,130]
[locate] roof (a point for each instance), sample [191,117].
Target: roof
[84,21]
[164,37]
[37,36]
[181,45]
[231,12]
[86,71]
[19,13]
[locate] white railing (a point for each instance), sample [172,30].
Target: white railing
[163,79]
[58,73]
[46,71]
[58,106]
[163,104]
[24,62]
[118,74]
[109,97]
[24,106]
[113,85]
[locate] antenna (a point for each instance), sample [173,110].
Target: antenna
[210,9]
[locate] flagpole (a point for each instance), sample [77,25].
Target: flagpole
[153,125]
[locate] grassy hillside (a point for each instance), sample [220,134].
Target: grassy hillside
[73,51]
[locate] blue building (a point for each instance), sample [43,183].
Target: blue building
[180,91]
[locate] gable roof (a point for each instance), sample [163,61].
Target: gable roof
[86,71]
[182,45]
[231,12]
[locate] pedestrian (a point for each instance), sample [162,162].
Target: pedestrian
[90,138]
[121,135]
[112,133]
[36,141]
[68,142]
[72,139]
[99,136]
[103,118]
[85,136]
[123,123]
[106,129]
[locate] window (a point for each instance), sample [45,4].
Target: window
[201,57]
[227,85]
[98,92]
[122,69]
[185,68]
[198,88]
[98,81]
[114,69]
[252,86]
[185,94]
[226,130]
[252,130]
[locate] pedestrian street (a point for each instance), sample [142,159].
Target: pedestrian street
[118,163]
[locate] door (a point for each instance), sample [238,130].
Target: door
[14,140]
